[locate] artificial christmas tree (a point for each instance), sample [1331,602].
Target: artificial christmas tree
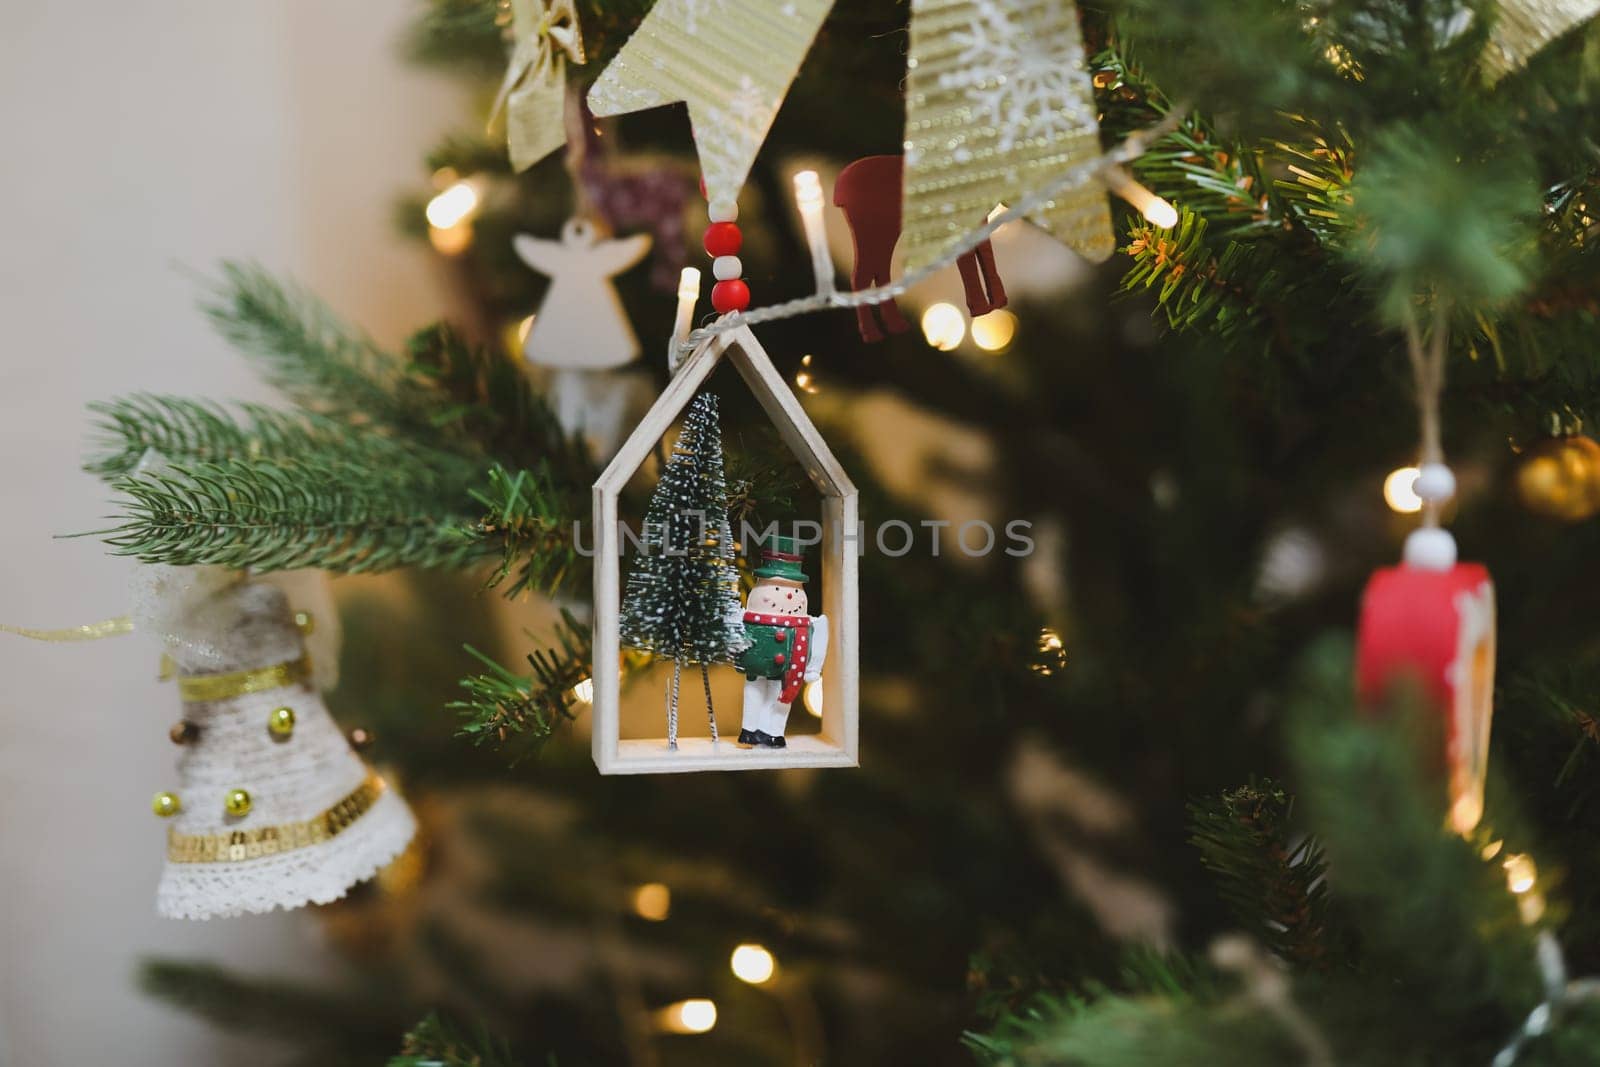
[682,598]
[1010,863]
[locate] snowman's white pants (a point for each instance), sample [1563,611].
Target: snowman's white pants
[764,708]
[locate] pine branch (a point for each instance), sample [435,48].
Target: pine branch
[536,538]
[304,350]
[272,515]
[505,708]
[1194,167]
[327,1019]
[762,481]
[437,1042]
[459,33]
[483,395]
[1274,884]
[1235,290]
[186,431]
[1118,1031]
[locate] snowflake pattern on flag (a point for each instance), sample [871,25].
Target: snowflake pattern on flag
[1023,83]
[695,10]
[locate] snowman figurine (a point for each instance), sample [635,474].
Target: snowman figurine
[787,646]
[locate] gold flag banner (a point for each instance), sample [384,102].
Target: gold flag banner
[92,631]
[1526,26]
[533,94]
[998,102]
[731,61]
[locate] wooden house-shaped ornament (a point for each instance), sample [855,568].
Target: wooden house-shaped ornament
[836,744]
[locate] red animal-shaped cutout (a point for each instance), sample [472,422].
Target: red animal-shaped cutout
[868,192]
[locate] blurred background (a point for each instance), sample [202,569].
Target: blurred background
[145,143]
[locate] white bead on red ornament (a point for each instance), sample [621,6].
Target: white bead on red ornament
[723,210]
[1435,483]
[1430,548]
[726,268]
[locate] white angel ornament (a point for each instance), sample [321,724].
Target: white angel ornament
[581,324]
[581,330]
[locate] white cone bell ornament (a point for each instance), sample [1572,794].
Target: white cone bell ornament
[273,809]
[1431,620]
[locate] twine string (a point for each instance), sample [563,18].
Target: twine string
[1131,148]
[1426,355]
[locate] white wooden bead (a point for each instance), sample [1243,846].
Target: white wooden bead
[727,268]
[1435,483]
[1430,548]
[724,210]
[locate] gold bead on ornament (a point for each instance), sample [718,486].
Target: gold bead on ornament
[184,733]
[280,723]
[166,805]
[237,803]
[1560,478]
[306,621]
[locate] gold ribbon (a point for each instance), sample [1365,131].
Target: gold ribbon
[238,845]
[533,93]
[205,688]
[92,631]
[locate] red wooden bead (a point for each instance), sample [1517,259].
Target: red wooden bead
[733,295]
[724,239]
[778,659]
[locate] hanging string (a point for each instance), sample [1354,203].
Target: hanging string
[1134,146]
[1427,373]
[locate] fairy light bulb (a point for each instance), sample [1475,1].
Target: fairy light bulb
[688,296]
[652,901]
[804,379]
[455,205]
[813,698]
[1520,873]
[696,1016]
[753,964]
[1400,491]
[944,326]
[1156,211]
[808,198]
[583,692]
[1466,812]
[807,189]
[993,332]
[1159,212]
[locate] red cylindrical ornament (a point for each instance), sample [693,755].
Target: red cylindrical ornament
[1437,628]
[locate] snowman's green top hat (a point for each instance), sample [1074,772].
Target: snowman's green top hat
[781,559]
